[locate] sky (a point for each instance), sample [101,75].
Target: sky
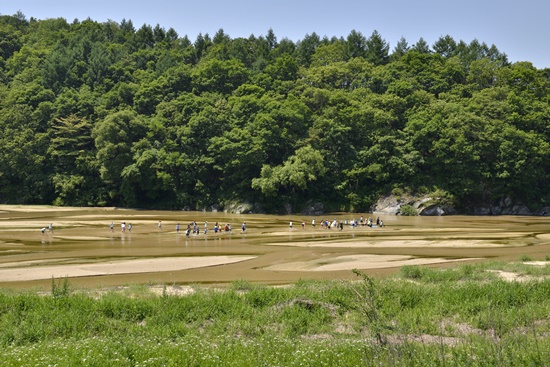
[520,29]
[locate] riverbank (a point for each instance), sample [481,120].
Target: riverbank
[464,315]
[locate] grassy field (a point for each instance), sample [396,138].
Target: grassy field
[461,316]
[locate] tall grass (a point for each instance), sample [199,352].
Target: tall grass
[423,317]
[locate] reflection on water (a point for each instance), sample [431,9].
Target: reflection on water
[85,235]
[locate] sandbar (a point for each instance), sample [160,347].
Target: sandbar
[357,262]
[149,265]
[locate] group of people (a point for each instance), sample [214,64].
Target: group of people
[326,224]
[192,228]
[123,227]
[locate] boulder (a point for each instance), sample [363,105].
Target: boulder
[312,208]
[437,210]
[387,205]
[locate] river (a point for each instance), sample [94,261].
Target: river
[83,248]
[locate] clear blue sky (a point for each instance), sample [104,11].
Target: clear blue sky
[518,28]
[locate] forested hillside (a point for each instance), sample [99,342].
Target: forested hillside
[107,114]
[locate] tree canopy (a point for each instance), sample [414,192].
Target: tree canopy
[109,114]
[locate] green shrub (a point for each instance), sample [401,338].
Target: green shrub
[442,197]
[408,210]
[526,258]
[411,272]
[60,288]
[397,191]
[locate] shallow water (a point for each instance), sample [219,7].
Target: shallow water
[272,253]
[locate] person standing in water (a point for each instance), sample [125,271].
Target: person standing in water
[159,226]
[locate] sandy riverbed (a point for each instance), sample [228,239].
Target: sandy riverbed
[83,248]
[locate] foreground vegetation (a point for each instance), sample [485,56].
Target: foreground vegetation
[423,317]
[105,114]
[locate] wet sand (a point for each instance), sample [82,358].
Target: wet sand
[34,270]
[83,248]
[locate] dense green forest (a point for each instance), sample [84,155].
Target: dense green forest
[107,114]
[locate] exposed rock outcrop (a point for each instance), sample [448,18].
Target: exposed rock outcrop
[429,206]
[424,205]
